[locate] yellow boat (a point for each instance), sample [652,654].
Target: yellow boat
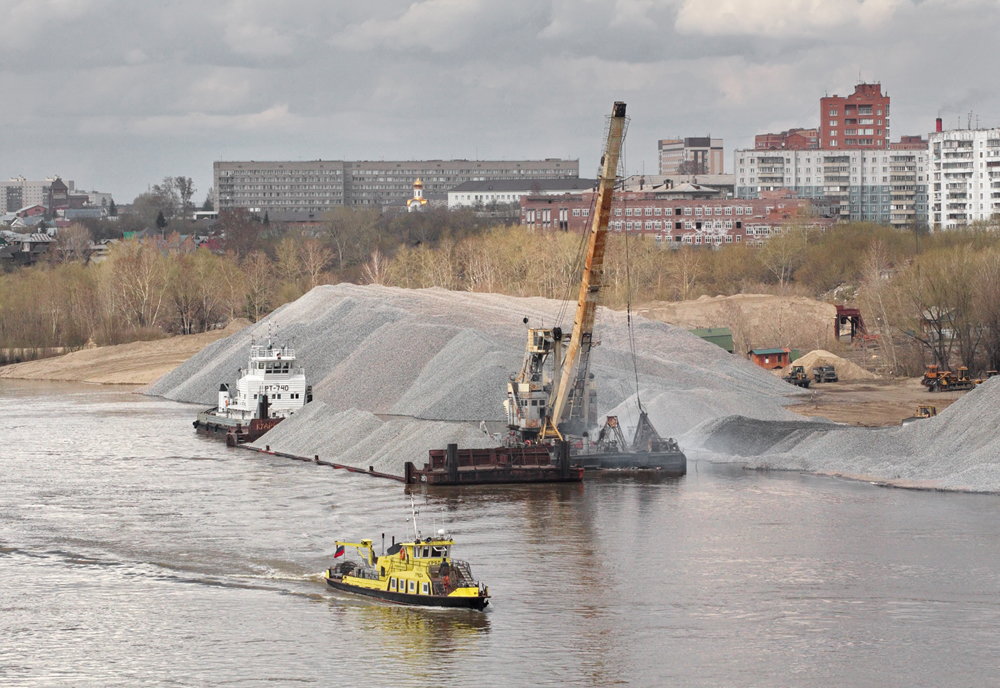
[421,572]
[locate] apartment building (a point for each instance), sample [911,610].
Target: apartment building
[19,193]
[315,186]
[965,172]
[472,194]
[858,121]
[692,155]
[885,186]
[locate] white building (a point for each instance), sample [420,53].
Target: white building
[886,186]
[502,191]
[19,192]
[965,171]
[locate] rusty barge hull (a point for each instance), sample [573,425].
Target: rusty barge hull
[494,466]
[234,432]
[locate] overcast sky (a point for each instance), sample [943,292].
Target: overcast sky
[117,94]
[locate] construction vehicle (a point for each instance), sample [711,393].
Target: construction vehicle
[946,381]
[547,408]
[798,377]
[923,411]
[825,373]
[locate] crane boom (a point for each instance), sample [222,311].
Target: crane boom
[583,325]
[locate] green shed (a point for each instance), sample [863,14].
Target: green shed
[720,336]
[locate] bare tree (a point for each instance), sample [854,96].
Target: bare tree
[260,285]
[72,244]
[316,258]
[185,190]
[241,231]
[375,268]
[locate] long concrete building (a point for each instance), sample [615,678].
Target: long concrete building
[318,185]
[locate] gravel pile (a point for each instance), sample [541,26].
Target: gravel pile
[957,449]
[438,361]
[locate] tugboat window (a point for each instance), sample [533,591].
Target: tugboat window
[413,586]
[425,589]
[425,552]
[392,585]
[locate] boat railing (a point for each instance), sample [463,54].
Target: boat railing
[275,352]
[465,571]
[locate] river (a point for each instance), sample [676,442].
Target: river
[134,552]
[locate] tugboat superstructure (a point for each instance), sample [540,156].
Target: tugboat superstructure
[270,389]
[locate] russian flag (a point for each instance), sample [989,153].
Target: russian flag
[339,552]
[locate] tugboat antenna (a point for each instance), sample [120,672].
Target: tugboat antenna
[413,510]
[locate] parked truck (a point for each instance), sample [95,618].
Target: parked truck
[826,373]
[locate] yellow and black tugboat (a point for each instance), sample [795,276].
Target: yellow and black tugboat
[421,572]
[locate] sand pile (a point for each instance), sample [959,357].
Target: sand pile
[135,363]
[432,364]
[756,320]
[846,370]
[957,449]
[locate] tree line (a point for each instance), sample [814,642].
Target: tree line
[925,297]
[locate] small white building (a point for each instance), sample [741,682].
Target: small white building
[503,191]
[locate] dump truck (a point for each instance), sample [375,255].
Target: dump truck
[923,411]
[797,377]
[826,373]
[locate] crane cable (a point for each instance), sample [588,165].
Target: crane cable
[628,293]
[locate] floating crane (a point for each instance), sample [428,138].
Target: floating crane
[544,409]
[540,408]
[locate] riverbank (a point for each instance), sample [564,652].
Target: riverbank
[136,363]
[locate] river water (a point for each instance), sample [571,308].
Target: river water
[134,552]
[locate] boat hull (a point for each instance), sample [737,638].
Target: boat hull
[233,431]
[671,463]
[478,603]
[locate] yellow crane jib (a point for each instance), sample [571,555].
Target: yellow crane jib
[581,340]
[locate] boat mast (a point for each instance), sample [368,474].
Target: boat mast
[583,325]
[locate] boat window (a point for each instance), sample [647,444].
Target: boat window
[425,552]
[425,588]
[392,585]
[413,586]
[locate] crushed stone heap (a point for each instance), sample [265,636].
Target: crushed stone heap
[957,449]
[396,372]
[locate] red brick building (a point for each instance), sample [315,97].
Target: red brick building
[910,143]
[859,121]
[793,139]
[676,221]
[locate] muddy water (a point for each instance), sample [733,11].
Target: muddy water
[134,552]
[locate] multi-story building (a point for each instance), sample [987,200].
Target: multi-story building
[692,155]
[20,192]
[858,121]
[887,186]
[320,185]
[793,139]
[676,220]
[965,173]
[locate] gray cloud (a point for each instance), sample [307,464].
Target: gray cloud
[118,94]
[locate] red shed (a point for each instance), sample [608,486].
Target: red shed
[770,358]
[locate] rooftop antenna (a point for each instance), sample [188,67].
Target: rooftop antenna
[968,121]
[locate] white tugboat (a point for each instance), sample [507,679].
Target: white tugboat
[270,389]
